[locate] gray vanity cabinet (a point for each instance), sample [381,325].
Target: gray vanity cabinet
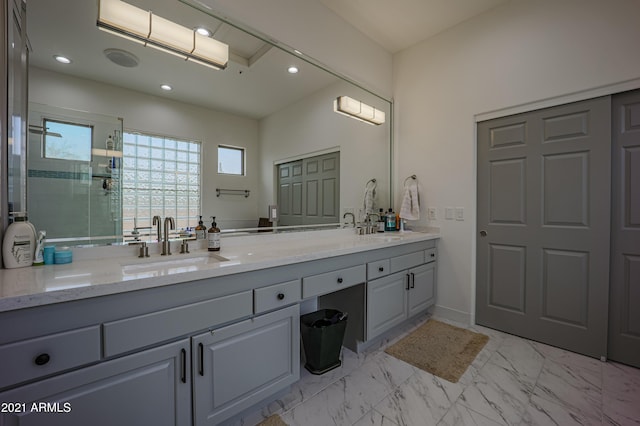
[237,366]
[152,387]
[394,298]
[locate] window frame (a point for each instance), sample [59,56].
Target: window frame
[243,159]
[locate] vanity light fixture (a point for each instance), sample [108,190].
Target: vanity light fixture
[358,110]
[130,22]
[293,69]
[62,59]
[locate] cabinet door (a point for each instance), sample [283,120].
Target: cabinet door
[240,365]
[147,388]
[422,292]
[386,303]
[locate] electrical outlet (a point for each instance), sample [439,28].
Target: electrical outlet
[431,213]
[448,213]
[459,213]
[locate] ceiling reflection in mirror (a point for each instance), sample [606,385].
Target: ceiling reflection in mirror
[254,103]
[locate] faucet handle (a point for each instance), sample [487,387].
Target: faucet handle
[184,247]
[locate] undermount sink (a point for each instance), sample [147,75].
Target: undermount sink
[386,237]
[187,261]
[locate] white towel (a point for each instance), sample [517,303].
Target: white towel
[369,199]
[410,207]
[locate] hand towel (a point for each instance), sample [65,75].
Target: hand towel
[410,207]
[369,200]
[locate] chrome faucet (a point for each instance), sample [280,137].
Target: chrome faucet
[156,221]
[371,227]
[166,246]
[353,217]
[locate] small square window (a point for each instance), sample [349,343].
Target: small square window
[67,141]
[230,160]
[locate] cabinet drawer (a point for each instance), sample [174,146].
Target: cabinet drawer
[46,355]
[329,282]
[406,261]
[275,296]
[378,269]
[430,255]
[144,330]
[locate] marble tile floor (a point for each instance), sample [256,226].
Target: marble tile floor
[512,381]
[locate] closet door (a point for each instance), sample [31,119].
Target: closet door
[624,314]
[543,223]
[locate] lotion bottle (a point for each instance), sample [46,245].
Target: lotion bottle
[19,243]
[201,230]
[213,236]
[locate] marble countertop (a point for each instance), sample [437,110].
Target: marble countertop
[102,271]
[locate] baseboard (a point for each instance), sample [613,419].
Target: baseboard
[452,314]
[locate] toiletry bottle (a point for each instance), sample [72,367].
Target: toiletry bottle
[397,221]
[19,243]
[381,220]
[213,236]
[39,254]
[201,230]
[391,221]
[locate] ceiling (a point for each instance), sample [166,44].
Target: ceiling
[398,24]
[255,83]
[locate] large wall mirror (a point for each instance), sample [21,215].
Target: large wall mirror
[109,148]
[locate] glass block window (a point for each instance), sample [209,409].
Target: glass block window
[230,160]
[161,176]
[67,141]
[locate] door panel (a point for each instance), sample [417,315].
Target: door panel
[624,313]
[543,208]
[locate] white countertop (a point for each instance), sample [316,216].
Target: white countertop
[109,270]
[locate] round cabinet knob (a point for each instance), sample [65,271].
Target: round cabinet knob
[483,233]
[381,269]
[280,296]
[433,255]
[42,359]
[339,280]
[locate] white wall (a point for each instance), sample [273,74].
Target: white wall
[519,53]
[168,118]
[311,125]
[317,31]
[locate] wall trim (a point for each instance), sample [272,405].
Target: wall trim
[607,89]
[452,315]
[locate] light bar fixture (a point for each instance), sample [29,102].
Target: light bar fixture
[130,22]
[358,110]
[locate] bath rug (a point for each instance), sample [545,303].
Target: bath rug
[440,349]
[273,420]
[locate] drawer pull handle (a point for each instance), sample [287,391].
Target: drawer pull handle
[183,365]
[413,280]
[201,359]
[42,359]
[339,280]
[408,281]
[381,269]
[280,296]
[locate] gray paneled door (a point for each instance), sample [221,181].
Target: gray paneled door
[624,314]
[309,190]
[543,222]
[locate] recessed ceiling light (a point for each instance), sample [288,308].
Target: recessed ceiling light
[166,87]
[62,59]
[293,69]
[203,31]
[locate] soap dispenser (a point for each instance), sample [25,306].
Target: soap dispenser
[201,230]
[213,236]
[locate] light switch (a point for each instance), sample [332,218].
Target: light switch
[448,213]
[431,213]
[459,213]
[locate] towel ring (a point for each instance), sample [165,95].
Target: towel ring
[372,181]
[410,177]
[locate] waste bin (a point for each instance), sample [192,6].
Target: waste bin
[322,334]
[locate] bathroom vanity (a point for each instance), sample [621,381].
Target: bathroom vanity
[194,338]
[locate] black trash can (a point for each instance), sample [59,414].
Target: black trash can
[322,334]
